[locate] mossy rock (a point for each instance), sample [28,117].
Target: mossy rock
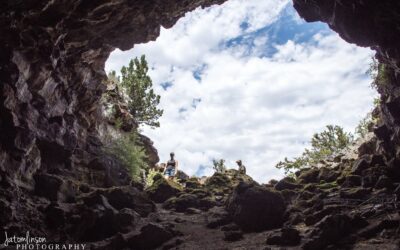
[181,203]
[192,183]
[329,185]
[309,176]
[163,189]
[201,193]
[218,180]
[310,187]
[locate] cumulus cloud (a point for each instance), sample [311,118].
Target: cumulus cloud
[225,98]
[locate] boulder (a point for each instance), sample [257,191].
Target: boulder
[182,175]
[327,174]
[192,183]
[233,235]
[360,165]
[328,231]
[185,201]
[384,182]
[218,181]
[284,237]
[355,193]
[126,219]
[255,208]
[287,183]
[163,189]
[378,160]
[309,176]
[352,181]
[368,147]
[151,236]
[119,198]
[272,182]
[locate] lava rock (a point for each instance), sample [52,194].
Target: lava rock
[218,219]
[384,182]
[355,193]
[360,165]
[328,231]
[284,237]
[181,203]
[233,235]
[218,181]
[120,198]
[352,181]
[151,236]
[327,174]
[162,190]
[256,208]
[287,183]
[48,186]
[309,176]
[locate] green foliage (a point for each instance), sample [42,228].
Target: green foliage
[379,72]
[362,128]
[291,166]
[130,153]
[219,165]
[367,122]
[142,100]
[149,177]
[324,144]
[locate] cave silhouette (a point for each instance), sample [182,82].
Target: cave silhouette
[56,182]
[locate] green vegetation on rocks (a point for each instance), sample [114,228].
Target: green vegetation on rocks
[127,149]
[163,189]
[323,144]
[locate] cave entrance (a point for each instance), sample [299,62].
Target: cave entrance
[250,80]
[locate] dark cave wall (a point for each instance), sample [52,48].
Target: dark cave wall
[52,69]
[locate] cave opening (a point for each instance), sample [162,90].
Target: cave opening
[230,77]
[253,84]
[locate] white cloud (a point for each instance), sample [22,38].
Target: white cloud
[258,109]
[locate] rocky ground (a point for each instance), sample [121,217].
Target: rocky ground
[343,203]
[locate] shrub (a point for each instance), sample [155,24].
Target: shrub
[130,153]
[150,177]
[219,165]
[379,72]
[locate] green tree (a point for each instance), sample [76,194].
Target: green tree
[142,100]
[329,142]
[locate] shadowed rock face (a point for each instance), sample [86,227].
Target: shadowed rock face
[52,72]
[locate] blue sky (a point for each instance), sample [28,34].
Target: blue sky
[250,80]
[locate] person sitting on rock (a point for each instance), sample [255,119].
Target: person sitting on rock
[171,168]
[242,168]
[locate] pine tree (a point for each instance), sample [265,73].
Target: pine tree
[324,144]
[142,100]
